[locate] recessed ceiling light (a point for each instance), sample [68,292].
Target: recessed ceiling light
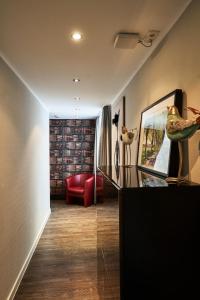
[76,36]
[77,98]
[76,79]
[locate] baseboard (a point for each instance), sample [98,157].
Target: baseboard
[27,260]
[57,197]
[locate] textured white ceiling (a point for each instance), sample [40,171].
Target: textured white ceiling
[35,41]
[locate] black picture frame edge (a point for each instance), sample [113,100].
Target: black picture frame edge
[174,160]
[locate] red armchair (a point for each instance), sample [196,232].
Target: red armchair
[80,186]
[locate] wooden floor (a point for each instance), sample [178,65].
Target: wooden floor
[72,260]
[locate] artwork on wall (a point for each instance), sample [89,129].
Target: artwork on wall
[118,121]
[155,150]
[115,121]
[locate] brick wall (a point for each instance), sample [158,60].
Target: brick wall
[71,151]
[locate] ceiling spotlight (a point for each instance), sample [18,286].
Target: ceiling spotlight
[77,98]
[76,36]
[76,79]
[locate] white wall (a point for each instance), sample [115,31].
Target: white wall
[24,175]
[175,64]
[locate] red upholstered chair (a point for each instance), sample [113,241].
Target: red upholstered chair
[80,186]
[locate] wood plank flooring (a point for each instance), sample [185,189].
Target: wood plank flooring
[71,260]
[108,249]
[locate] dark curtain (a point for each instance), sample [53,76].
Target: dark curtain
[105,145]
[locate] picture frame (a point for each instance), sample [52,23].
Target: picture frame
[156,153]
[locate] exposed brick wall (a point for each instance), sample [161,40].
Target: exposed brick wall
[71,151]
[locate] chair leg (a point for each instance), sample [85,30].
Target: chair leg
[86,204]
[87,201]
[68,199]
[100,198]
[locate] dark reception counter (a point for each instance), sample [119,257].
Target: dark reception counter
[159,231]
[134,177]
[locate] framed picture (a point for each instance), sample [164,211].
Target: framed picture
[156,153]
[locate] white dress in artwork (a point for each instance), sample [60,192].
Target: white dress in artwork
[162,159]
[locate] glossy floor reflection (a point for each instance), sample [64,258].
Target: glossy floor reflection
[71,260]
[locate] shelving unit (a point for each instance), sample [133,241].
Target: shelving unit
[159,227]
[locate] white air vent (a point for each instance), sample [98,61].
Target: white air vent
[126,40]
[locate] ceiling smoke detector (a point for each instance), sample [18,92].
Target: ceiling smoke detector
[126,40]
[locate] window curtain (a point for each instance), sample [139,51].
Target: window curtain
[104,147]
[97,139]
[96,157]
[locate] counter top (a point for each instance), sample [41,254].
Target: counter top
[133,177]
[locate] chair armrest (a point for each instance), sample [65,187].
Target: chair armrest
[89,184]
[89,188]
[68,181]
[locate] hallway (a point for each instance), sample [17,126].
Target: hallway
[65,264]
